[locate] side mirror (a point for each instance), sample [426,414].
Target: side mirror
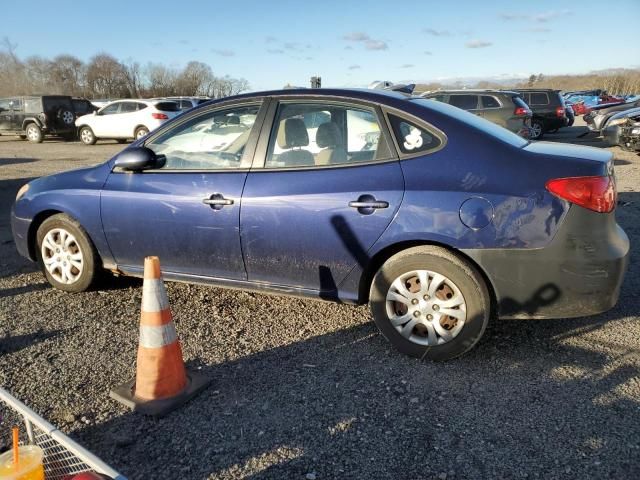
[137,159]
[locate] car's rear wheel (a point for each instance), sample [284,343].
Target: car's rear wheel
[140,132]
[34,133]
[66,254]
[429,303]
[87,136]
[537,130]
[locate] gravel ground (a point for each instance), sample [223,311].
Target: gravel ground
[306,389]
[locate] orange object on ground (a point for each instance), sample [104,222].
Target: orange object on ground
[162,382]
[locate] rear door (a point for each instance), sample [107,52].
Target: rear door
[127,119]
[319,196]
[491,109]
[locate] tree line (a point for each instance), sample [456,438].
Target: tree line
[104,76]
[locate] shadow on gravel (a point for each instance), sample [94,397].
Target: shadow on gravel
[15,161]
[35,287]
[13,344]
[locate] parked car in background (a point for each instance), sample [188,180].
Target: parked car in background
[503,108]
[571,115]
[612,128]
[82,106]
[125,119]
[440,222]
[630,136]
[597,118]
[549,112]
[33,117]
[185,103]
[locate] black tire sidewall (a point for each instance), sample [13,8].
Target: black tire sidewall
[468,280]
[90,257]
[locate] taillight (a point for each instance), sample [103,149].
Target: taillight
[595,193]
[560,112]
[159,116]
[521,111]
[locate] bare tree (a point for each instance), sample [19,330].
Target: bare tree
[68,75]
[194,79]
[106,77]
[160,80]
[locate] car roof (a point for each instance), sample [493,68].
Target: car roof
[471,90]
[536,90]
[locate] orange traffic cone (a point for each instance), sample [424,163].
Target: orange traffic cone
[162,383]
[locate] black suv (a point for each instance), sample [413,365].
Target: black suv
[548,108]
[33,117]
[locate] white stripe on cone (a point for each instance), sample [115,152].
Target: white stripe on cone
[157,337]
[154,295]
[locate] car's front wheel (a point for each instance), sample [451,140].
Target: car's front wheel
[67,256]
[429,303]
[87,136]
[34,133]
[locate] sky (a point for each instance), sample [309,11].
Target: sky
[349,43]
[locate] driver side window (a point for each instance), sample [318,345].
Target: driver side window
[212,141]
[110,109]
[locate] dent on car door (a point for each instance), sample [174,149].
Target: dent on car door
[322,196]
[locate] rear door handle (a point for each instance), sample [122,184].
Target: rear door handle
[373,204]
[217,201]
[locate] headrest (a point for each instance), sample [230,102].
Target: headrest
[328,135]
[292,133]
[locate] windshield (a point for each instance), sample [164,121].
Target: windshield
[496,131]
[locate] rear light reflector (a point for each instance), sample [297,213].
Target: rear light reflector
[521,111]
[595,193]
[560,112]
[159,116]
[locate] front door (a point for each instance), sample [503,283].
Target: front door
[325,194]
[104,125]
[188,211]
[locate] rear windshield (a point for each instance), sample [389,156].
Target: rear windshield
[474,121]
[167,106]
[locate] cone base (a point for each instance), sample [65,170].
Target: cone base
[160,407]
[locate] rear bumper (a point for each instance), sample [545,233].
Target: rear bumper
[579,273]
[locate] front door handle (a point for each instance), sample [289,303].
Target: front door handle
[217,201]
[375,204]
[367,204]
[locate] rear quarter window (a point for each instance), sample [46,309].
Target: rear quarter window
[55,103]
[490,102]
[412,138]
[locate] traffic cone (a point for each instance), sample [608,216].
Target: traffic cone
[162,382]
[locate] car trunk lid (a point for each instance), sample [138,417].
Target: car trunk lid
[586,161]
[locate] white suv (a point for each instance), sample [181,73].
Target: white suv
[124,119]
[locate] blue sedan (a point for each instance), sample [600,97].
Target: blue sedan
[438,219]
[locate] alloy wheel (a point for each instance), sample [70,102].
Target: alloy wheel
[32,133]
[426,307]
[62,256]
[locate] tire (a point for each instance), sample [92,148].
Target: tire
[66,117]
[34,133]
[87,136]
[461,283]
[76,272]
[537,130]
[140,132]
[22,137]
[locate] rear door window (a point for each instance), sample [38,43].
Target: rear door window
[128,107]
[465,102]
[489,102]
